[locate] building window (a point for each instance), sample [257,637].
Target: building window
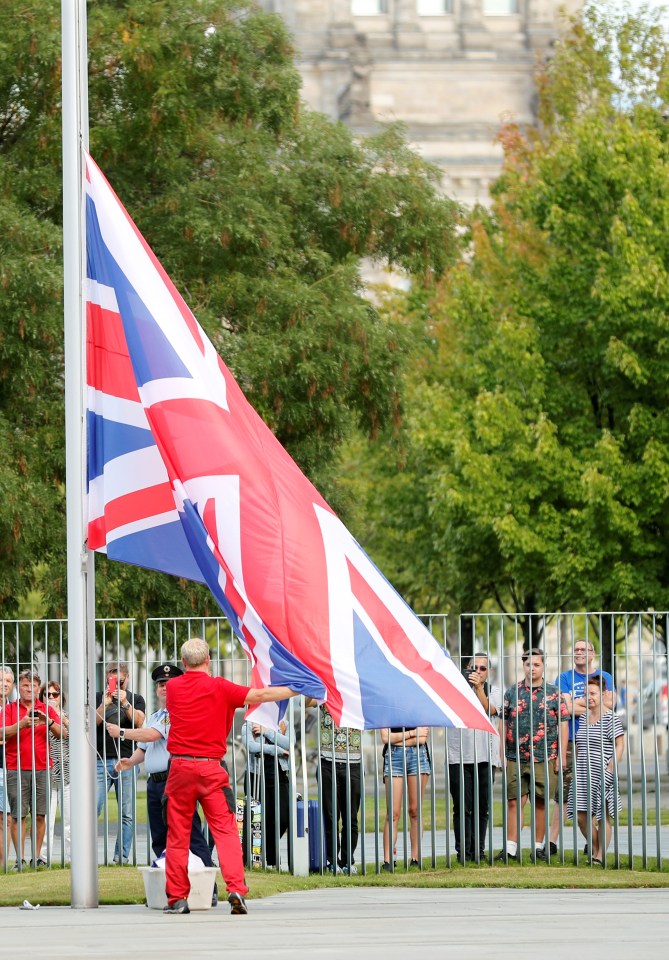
[369,8]
[500,8]
[434,8]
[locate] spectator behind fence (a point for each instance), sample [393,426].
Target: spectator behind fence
[572,684]
[405,751]
[531,713]
[475,755]
[593,795]
[269,763]
[340,750]
[340,763]
[5,694]
[116,704]
[25,726]
[151,740]
[59,749]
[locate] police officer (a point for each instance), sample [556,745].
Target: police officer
[152,750]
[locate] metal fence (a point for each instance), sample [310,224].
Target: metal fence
[470,807]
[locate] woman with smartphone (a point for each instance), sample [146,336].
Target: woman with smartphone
[59,750]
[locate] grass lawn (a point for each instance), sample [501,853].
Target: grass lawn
[124,884]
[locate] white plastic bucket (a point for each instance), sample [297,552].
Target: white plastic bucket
[201,887]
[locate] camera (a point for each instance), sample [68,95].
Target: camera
[112,686]
[467,672]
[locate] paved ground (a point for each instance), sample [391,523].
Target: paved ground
[360,924]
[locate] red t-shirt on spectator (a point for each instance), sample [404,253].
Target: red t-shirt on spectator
[201,710]
[26,738]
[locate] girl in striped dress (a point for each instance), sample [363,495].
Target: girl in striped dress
[600,737]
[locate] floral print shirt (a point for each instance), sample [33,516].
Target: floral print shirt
[531,718]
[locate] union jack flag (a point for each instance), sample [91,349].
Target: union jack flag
[184,477]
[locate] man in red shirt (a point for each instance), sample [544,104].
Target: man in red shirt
[25,727]
[201,710]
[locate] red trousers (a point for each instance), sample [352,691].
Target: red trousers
[203,781]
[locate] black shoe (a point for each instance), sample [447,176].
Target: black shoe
[386,866]
[586,850]
[541,854]
[214,896]
[22,866]
[179,906]
[414,863]
[503,856]
[237,903]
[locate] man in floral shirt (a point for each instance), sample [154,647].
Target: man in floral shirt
[531,713]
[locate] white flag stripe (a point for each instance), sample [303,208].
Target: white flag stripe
[178,388]
[148,523]
[129,412]
[101,295]
[120,478]
[342,647]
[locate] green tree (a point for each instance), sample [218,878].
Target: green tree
[260,211]
[537,437]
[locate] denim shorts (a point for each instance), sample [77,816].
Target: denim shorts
[407,758]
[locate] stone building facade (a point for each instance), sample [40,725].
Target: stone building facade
[448,69]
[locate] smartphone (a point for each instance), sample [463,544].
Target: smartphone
[112,686]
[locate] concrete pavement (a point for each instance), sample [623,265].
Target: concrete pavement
[360,924]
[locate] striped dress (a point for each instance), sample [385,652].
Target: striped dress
[60,754]
[596,744]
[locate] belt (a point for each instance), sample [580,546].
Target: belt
[185,756]
[159,777]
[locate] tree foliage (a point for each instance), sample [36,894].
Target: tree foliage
[536,447]
[261,212]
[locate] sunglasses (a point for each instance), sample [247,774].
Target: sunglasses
[480,669]
[52,695]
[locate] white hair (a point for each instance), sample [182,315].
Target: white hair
[194,652]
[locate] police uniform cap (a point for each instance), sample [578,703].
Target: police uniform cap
[166,671]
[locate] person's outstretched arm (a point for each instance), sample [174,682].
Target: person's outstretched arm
[268,695]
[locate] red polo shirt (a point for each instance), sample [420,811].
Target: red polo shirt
[27,739]
[201,710]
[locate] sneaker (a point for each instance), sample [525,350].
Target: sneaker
[586,850]
[386,866]
[414,863]
[179,906]
[40,862]
[333,868]
[237,903]
[22,865]
[349,870]
[541,854]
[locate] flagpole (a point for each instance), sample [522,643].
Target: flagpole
[80,583]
